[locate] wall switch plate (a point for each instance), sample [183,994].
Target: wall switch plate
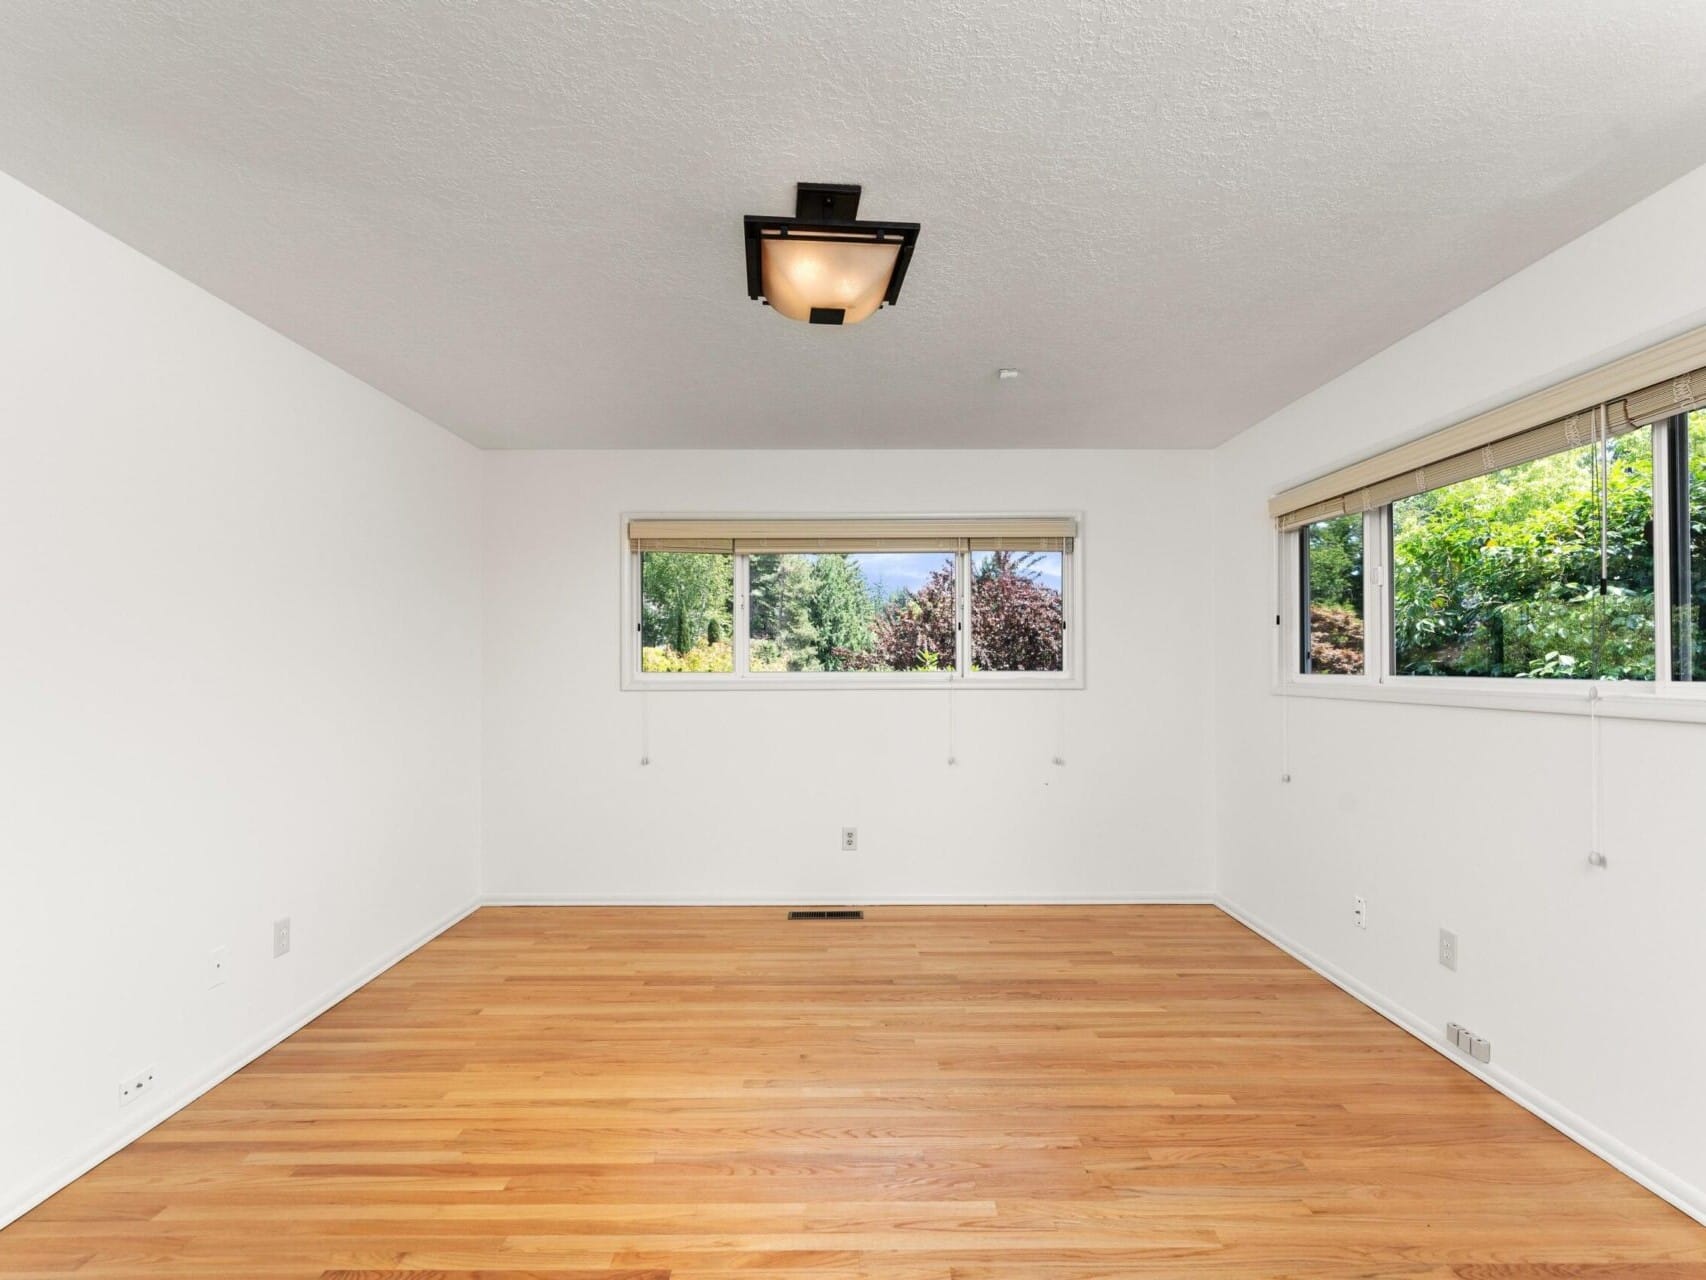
[280,937]
[218,965]
[849,839]
[1448,949]
[1360,912]
[135,1085]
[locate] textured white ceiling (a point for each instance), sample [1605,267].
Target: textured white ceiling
[523,217]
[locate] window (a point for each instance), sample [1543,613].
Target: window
[686,612]
[1503,574]
[1018,616]
[879,611]
[1332,596]
[1518,546]
[776,602]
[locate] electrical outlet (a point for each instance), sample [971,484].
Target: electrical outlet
[280,937]
[134,1086]
[1360,912]
[1448,949]
[218,965]
[849,839]
[1466,1041]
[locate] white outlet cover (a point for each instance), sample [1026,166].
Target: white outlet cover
[135,1085]
[218,967]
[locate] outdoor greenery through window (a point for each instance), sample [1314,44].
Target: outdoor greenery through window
[875,611]
[1556,538]
[687,602]
[1688,560]
[774,604]
[1333,596]
[1017,619]
[1501,575]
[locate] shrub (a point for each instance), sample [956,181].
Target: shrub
[1335,641]
[706,657]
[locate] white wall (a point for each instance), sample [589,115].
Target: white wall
[747,791]
[1586,982]
[239,679]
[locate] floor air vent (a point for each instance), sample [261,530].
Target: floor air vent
[826,915]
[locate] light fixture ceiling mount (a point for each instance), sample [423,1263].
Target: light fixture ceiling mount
[823,266]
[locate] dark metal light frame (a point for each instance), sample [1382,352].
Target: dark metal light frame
[826,211]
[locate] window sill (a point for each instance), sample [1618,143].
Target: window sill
[1613,701]
[779,682]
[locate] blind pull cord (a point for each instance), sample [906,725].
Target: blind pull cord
[645,727]
[1596,854]
[951,755]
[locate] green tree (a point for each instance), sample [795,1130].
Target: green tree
[1335,563]
[779,589]
[685,596]
[841,611]
[1500,574]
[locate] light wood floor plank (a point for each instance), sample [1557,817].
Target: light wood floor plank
[994,1093]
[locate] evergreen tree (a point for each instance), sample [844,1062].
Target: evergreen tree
[841,611]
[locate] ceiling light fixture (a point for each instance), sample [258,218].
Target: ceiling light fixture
[821,266]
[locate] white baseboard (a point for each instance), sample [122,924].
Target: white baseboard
[239,1058]
[1661,1182]
[857,900]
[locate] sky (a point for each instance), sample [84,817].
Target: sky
[891,571]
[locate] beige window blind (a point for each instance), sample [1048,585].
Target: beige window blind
[770,537]
[1682,394]
[1637,390]
[1021,544]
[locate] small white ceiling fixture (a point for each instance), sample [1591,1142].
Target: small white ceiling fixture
[1007,375]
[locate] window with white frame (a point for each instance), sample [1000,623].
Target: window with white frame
[1330,564]
[728,601]
[1543,570]
[1571,550]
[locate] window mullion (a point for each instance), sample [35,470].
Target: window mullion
[1385,663]
[1305,615]
[1664,547]
[962,613]
[1373,579]
[636,610]
[743,617]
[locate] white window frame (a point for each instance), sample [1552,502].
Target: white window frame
[959,677]
[1662,698]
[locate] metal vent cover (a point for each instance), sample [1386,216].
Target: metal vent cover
[826,915]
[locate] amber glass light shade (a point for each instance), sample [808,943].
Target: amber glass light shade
[849,275]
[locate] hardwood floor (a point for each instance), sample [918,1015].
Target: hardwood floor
[982,1094]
